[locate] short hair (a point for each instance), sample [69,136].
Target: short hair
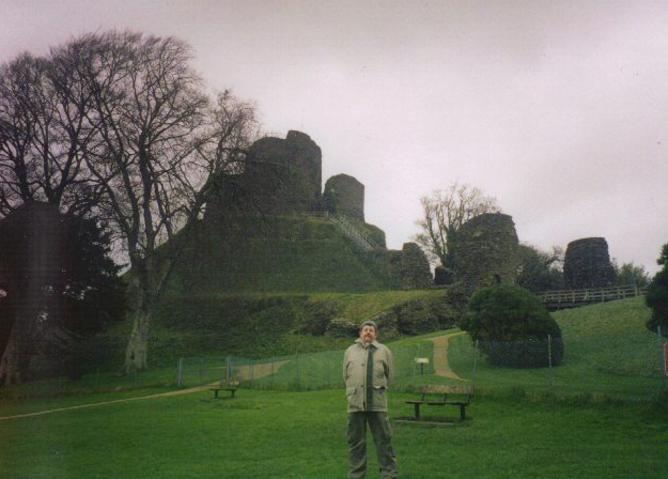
[368,322]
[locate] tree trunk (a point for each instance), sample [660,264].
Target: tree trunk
[14,362]
[137,348]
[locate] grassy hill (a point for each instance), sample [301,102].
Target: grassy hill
[252,325]
[297,254]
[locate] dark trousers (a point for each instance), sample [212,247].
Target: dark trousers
[382,437]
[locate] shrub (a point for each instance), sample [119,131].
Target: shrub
[415,317]
[342,328]
[512,327]
[657,296]
[317,316]
[388,325]
[458,299]
[446,315]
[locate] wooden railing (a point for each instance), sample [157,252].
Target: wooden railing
[559,299]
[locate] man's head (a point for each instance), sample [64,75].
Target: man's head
[368,332]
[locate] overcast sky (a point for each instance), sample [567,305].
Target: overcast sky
[557,109]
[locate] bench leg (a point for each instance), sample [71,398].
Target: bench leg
[233,391]
[417,411]
[462,412]
[215,393]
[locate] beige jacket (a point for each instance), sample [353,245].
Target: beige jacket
[354,375]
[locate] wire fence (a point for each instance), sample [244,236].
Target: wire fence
[612,366]
[609,366]
[310,371]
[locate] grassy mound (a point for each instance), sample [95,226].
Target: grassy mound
[296,254]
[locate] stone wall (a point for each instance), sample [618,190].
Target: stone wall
[414,272]
[587,264]
[487,252]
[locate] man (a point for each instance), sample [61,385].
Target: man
[367,371]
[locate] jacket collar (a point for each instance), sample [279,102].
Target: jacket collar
[374,343]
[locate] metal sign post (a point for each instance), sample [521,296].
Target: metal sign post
[422,362]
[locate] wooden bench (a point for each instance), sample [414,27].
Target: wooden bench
[224,386]
[433,395]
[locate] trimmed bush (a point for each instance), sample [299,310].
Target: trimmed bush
[512,327]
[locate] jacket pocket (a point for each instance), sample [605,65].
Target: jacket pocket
[354,396]
[379,382]
[379,398]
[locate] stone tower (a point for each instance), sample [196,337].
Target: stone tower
[285,173]
[280,177]
[344,195]
[587,264]
[487,252]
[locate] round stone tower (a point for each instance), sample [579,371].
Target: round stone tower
[587,264]
[344,195]
[487,252]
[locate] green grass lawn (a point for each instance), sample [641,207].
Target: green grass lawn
[608,353]
[583,419]
[269,434]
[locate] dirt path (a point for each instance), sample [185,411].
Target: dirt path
[441,366]
[245,372]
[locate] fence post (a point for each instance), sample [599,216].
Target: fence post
[271,377]
[475,359]
[179,372]
[297,370]
[549,359]
[328,368]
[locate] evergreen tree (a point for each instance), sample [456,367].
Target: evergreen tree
[61,287]
[657,296]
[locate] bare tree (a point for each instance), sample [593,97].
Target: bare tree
[444,212]
[43,135]
[159,145]
[118,125]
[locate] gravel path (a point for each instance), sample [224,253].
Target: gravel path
[441,366]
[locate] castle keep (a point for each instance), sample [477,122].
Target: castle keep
[281,180]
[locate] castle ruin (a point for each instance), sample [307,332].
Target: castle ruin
[283,177]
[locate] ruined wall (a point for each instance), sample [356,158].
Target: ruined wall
[414,269]
[344,195]
[587,264]
[487,252]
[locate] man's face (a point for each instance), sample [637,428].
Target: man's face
[368,334]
